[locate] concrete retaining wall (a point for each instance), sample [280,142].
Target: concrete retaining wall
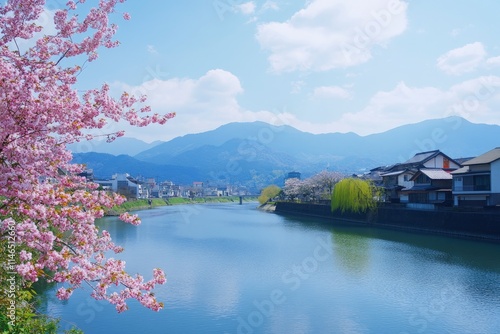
[484,224]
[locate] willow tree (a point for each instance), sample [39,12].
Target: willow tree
[268,193]
[354,195]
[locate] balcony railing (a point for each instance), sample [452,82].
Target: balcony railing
[479,187]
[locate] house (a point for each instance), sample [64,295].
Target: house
[399,179]
[477,183]
[393,182]
[123,184]
[431,186]
[197,190]
[374,175]
[169,189]
[429,159]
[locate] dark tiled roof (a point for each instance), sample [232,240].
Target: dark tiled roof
[421,157]
[462,160]
[485,158]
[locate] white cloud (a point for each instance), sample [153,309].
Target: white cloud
[269,5]
[462,60]
[388,109]
[477,100]
[247,8]
[493,61]
[201,104]
[331,92]
[210,101]
[329,34]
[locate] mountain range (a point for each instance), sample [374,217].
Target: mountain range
[257,154]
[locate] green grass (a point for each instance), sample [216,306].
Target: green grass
[211,199]
[135,204]
[141,204]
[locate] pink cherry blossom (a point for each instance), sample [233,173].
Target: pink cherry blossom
[63,293]
[49,210]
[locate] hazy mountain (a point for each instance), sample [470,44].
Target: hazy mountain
[256,154]
[253,138]
[121,145]
[105,165]
[453,135]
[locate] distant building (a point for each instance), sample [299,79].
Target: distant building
[293,175]
[169,189]
[123,184]
[88,174]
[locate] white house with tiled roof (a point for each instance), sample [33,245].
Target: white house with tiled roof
[431,186]
[399,179]
[477,183]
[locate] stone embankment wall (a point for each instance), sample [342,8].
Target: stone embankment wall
[478,224]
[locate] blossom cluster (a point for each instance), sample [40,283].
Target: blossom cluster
[318,186]
[53,209]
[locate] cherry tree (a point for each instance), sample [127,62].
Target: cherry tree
[315,187]
[292,188]
[324,182]
[45,207]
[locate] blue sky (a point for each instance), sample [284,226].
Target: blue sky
[364,66]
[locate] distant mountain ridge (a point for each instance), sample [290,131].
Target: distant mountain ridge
[121,145]
[105,165]
[257,153]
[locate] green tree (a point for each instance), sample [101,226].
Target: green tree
[268,193]
[354,195]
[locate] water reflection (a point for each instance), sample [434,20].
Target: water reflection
[121,232]
[223,263]
[352,251]
[448,250]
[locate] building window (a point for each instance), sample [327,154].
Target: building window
[423,179]
[482,182]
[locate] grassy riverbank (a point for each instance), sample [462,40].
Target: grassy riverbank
[141,204]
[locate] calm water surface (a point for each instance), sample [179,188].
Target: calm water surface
[234,269]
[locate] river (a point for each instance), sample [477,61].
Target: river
[234,269]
